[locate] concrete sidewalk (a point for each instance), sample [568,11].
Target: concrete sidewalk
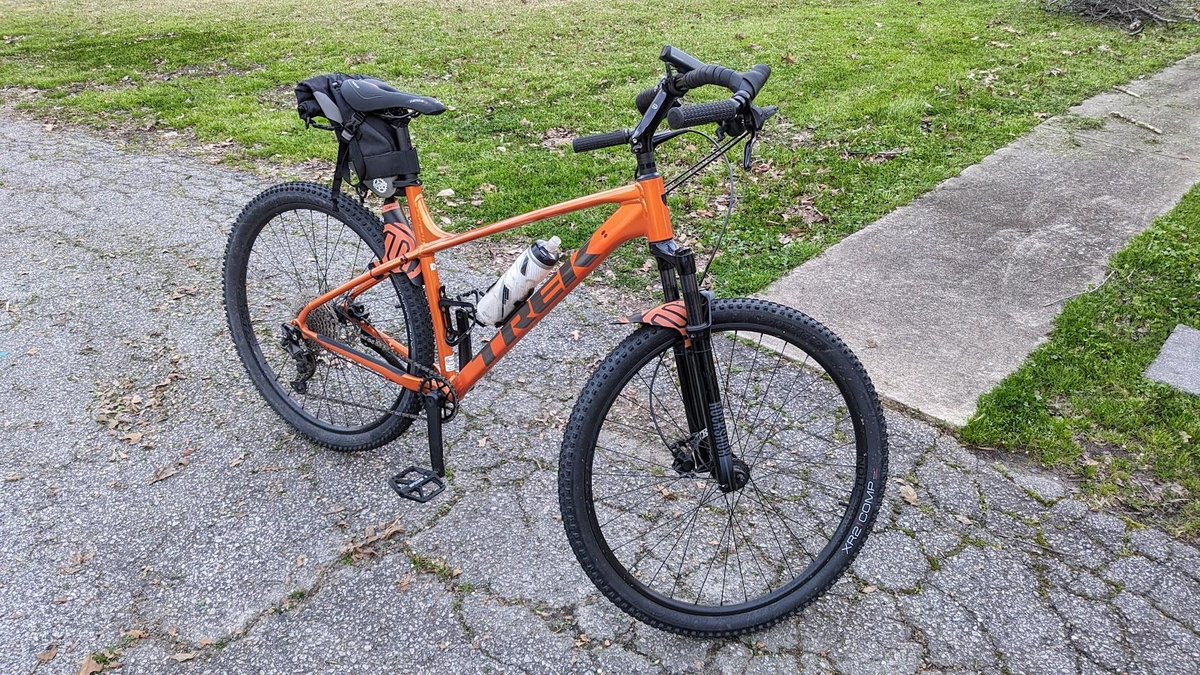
[945,297]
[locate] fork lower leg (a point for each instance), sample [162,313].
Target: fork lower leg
[697,373]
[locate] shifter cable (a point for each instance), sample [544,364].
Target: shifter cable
[721,151]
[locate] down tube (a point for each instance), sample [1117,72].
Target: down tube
[627,223]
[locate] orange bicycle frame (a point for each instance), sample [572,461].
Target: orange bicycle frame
[642,213]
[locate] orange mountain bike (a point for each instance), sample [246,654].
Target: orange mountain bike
[723,465]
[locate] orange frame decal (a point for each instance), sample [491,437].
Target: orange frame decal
[641,213]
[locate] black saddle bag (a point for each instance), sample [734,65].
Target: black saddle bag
[375,151]
[367,143]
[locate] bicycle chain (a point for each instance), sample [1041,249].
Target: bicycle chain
[449,399]
[429,375]
[340,401]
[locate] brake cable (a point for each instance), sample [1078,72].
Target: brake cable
[719,150]
[722,151]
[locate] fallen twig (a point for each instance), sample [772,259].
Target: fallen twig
[1123,90]
[1083,292]
[1136,122]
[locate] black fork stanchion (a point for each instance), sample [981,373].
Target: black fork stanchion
[697,372]
[665,253]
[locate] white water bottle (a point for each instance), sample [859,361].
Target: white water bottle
[517,284]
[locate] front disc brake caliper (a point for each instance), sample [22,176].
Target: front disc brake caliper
[687,454]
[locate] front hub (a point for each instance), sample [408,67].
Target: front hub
[693,455]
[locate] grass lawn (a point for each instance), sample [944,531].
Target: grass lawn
[1080,401]
[880,100]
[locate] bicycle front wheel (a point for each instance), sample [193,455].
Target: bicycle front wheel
[649,523]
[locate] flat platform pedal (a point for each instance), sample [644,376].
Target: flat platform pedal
[419,485]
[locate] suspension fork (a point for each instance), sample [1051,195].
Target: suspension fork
[698,379]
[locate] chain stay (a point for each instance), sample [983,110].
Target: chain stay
[432,382]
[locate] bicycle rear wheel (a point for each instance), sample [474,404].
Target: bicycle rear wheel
[289,245]
[650,525]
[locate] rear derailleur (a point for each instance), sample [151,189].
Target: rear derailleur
[305,357]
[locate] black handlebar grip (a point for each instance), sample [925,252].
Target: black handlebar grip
[710,74]
[704,113]
[598,141]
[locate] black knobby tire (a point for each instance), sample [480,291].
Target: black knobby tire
[378,421]
[829,370]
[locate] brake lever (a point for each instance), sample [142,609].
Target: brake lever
[748,151]
[758,117]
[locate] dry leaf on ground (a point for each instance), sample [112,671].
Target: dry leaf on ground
[557,138]
[361,550]
[48,655]
[90,667]
[164,474]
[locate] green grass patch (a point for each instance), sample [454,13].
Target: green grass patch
[881,100]
[1080,402]
[435,566]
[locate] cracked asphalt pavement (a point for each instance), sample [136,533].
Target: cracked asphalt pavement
[158,515]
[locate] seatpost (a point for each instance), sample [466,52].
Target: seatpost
[404,144]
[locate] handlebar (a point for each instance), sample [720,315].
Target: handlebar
[598,141]
[690,74]
[744,86]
